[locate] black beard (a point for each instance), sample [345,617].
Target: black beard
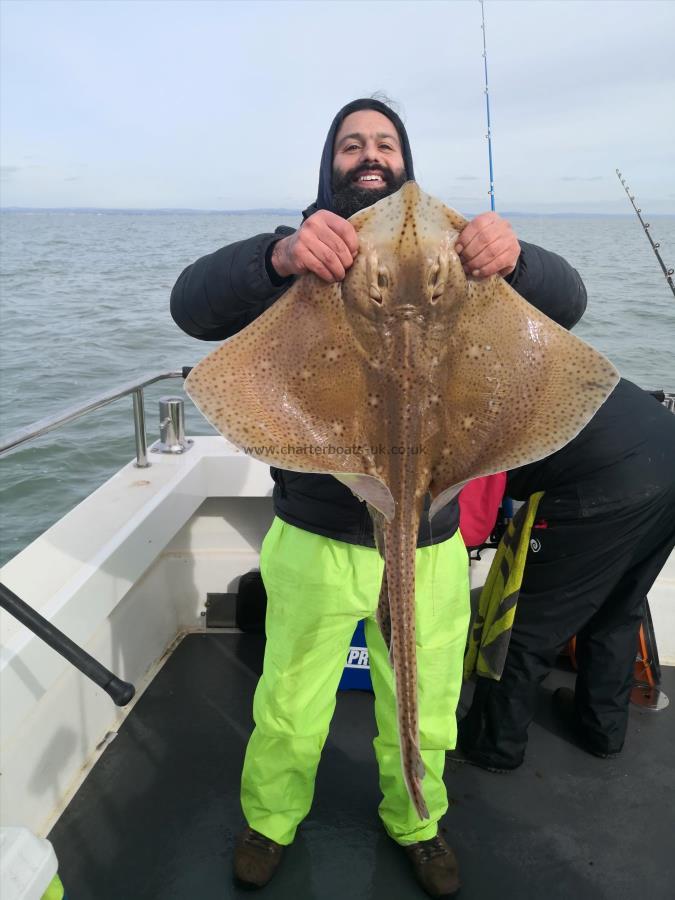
[349,198]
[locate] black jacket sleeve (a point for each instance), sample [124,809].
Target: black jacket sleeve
[221,293]
[550,283]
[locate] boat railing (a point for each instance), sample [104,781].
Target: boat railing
[135,388]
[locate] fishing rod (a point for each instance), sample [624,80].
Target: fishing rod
[491,192]
[120,691]
[655,244]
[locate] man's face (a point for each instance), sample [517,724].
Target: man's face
[367,162]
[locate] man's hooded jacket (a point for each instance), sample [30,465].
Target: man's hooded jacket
[221,293]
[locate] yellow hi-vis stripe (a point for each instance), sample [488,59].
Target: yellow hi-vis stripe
[498,599]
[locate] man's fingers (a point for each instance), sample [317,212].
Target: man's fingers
[329,258]
[491,252]
[487,245]
[323,263]
[470,231]
[475,237]
[342,227]
[347,232]
[503,263]
[334,242]
[324,228]
[480,256]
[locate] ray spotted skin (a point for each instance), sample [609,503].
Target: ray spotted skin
[406,378]
[383,617]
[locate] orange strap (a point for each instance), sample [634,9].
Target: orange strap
[642,672]
[643,663]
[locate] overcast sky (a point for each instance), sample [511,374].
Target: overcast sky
[225,105]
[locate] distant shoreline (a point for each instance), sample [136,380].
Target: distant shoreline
[140,211]
[104,210]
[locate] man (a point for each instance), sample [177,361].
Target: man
[603,531]
[321,571]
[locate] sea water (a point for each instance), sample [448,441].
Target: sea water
[84,306]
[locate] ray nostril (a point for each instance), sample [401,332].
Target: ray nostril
[382,277]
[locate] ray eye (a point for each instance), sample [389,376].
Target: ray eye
[437,279]
[377,277]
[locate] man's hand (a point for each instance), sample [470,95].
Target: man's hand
[488,246]
[325,244]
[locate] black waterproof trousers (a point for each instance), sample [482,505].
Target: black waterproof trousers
[584,576]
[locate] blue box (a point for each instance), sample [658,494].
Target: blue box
[356,674]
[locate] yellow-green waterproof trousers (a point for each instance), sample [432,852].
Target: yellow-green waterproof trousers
[317,591]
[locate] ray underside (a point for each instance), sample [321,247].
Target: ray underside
[464,375]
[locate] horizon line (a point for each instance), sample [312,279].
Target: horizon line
[283,210]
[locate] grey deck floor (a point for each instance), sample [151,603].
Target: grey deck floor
[157,817]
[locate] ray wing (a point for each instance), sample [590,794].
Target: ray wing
[518,387]
[290,391]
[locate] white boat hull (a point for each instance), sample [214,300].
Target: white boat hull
[125,575]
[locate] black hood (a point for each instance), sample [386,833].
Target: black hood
[325,194]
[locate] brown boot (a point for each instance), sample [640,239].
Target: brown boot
[435,866]
[256,858]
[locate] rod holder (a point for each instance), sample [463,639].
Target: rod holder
[172,427]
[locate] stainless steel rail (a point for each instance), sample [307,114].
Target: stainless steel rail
[75,412]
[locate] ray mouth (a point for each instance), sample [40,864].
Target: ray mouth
[406,311]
